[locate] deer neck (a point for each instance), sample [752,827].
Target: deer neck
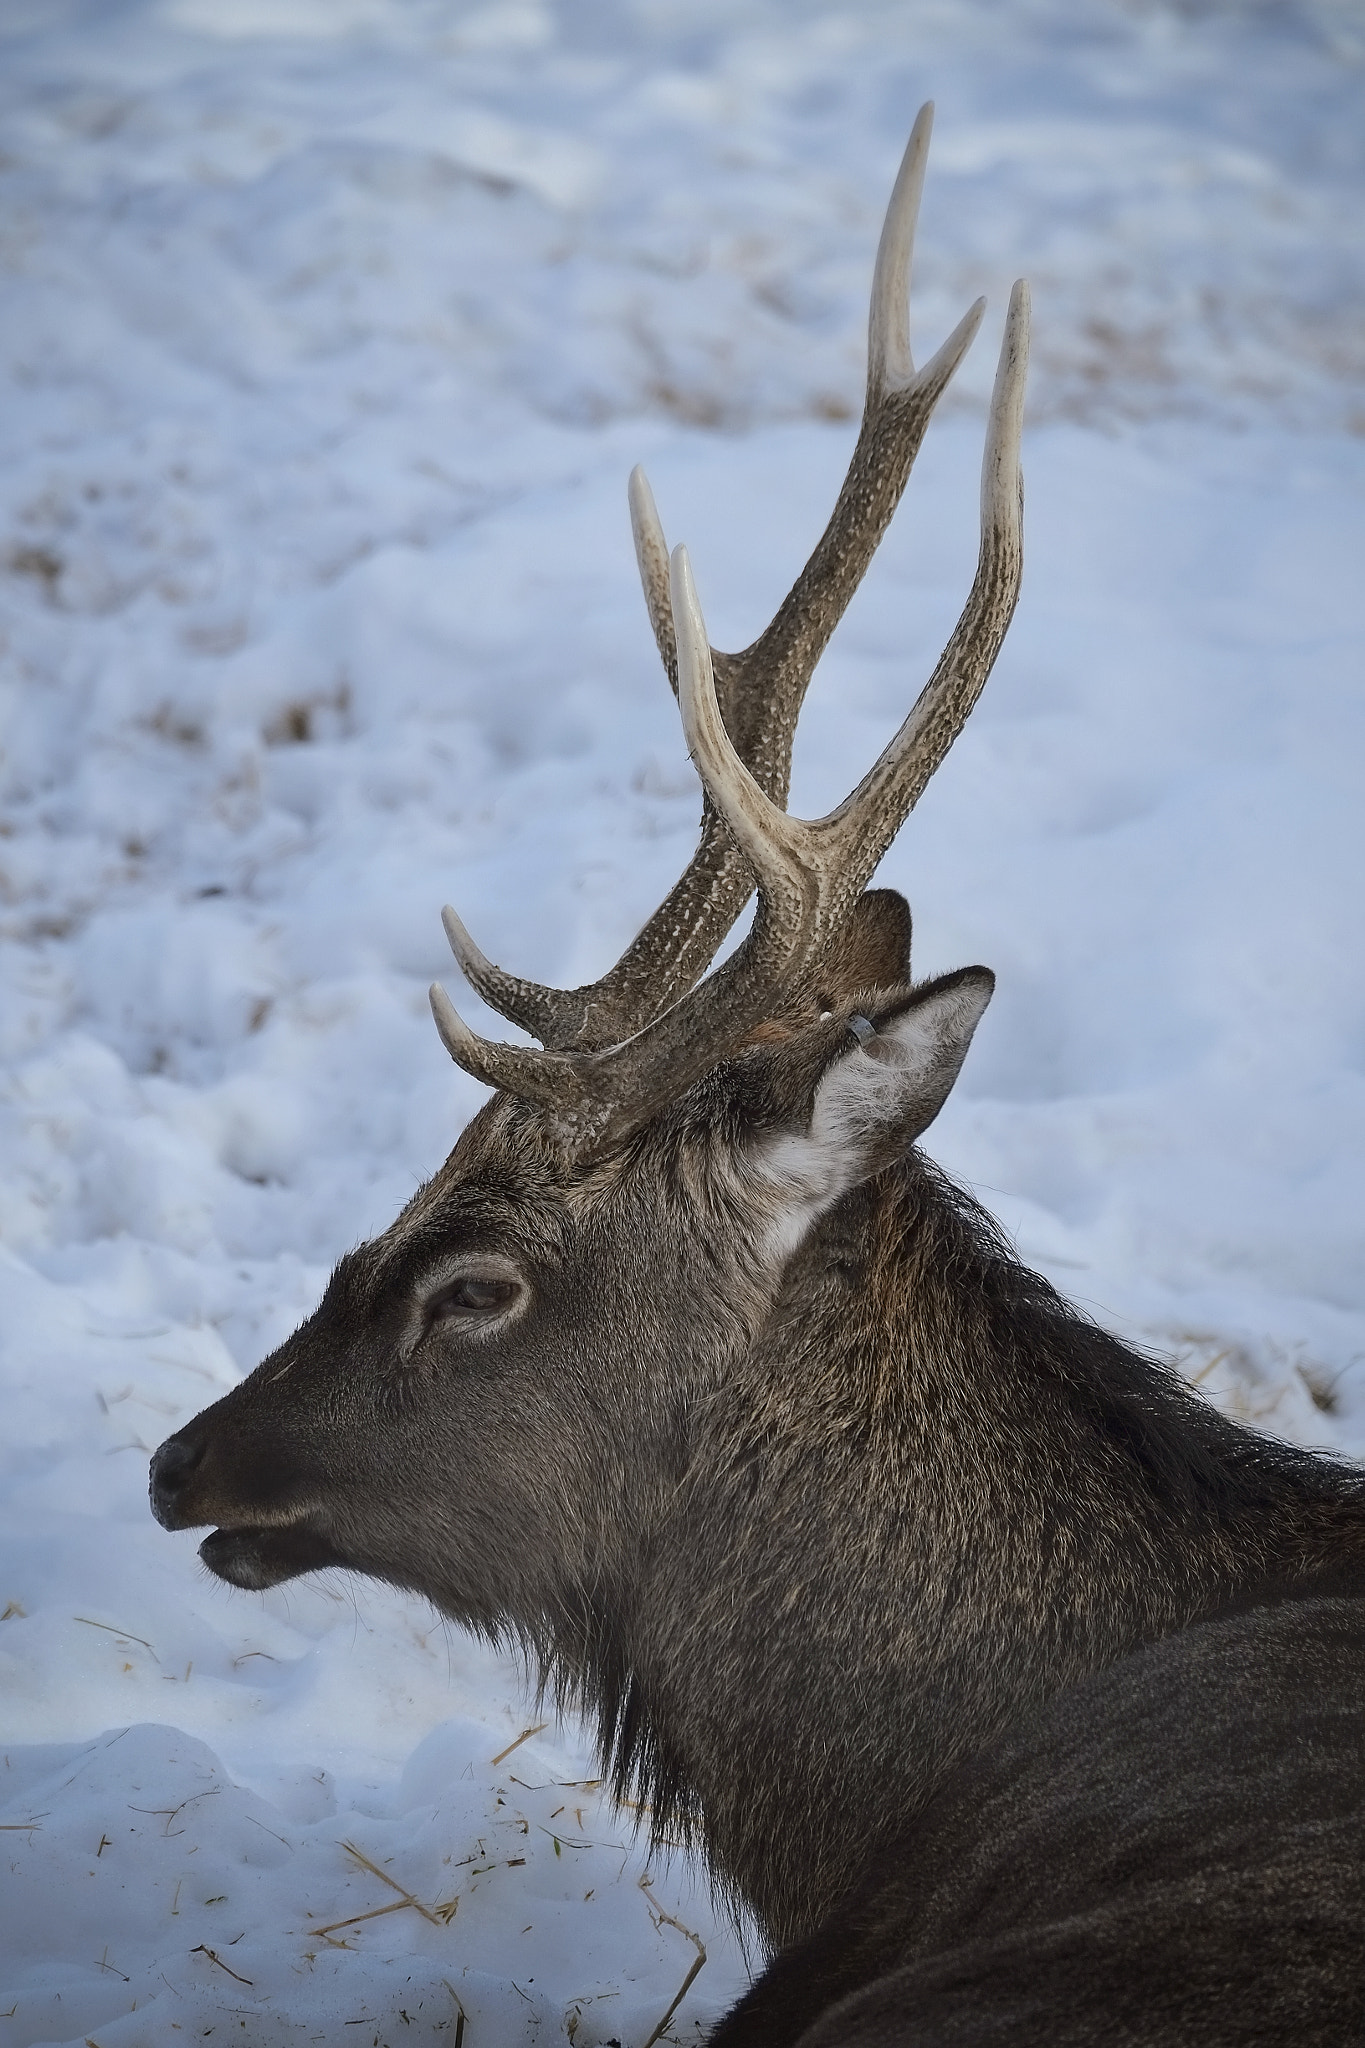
[929,1497]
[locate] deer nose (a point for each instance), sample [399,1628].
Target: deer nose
[173,1466]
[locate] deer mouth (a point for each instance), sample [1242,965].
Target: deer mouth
[255,1559]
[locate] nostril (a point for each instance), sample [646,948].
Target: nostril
[172,1467]
[174,1462]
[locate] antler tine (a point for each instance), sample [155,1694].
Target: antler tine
[888,325]
[551,1078]
[767,836]
[651,553]
[1002,481]
[545,1012]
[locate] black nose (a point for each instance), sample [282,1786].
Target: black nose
[172,1468]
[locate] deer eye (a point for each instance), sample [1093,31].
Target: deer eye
[474,1295]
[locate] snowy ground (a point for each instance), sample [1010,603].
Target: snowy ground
[332,328]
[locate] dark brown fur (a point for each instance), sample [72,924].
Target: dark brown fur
[1172,1852]
[803,1530]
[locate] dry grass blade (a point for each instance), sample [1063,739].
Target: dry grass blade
[662,1919]
[268,1831]
[200,1950]
[525,1736]
[125,1633]
[460,2015]
[1211,1366]
[354,1919]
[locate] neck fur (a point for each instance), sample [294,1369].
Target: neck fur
[929,1497]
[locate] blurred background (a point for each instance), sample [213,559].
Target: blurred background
[332,329]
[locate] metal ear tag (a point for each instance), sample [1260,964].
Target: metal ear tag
[871,1041]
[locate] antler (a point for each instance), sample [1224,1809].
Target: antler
[809,874]
[761,689]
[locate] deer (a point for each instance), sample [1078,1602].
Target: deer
[1014,1690]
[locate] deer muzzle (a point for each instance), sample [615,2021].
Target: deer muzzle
[267,1532]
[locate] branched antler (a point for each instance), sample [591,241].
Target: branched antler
[761,689]
[617,1050]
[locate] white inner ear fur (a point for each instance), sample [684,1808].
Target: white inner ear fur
[872,1101]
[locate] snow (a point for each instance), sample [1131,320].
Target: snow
[333,328]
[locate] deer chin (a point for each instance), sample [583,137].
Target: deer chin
[255,1559]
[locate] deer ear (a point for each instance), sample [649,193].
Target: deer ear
[873,950]
[886,1082]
